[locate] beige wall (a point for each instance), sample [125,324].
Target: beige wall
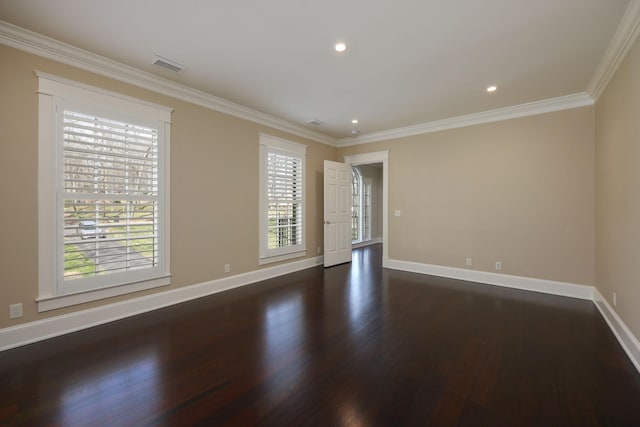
[214,185]
[618,191]
[519,191]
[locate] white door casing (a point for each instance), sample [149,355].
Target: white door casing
[337,213]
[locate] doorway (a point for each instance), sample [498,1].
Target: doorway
[371,165]
[366,205]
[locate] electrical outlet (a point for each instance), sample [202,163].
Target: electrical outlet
[396,212]
[227,268]
[615,299]
[15,311]
[498,266]
[469,262]
[318,250]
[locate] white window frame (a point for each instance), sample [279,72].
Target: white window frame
[53,94]
[272,144]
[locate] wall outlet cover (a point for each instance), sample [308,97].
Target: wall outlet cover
[15,311]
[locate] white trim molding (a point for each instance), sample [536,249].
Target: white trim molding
[31,42]
[515,282]
[623,334]
[523,110]
[622,41]
[28,41]
[39,330]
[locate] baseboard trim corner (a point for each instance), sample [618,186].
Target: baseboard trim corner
[623,334]
[39,330]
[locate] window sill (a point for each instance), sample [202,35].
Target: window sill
[54,302]
[272,259]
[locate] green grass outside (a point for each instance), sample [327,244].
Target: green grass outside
[144,246]
[75,262]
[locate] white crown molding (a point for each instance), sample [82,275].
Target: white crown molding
[516,111]
[39,330]
[622,41]
[623,334]
[516,282]
[49,48]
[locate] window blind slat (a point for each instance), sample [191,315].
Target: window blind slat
[88,133]
[124,157]
[108,141]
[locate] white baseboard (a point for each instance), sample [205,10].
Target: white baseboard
[27,333]
[367,243]
[625,337]
[504,280]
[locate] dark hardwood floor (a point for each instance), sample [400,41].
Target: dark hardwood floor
[352,345]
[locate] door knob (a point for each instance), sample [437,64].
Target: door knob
[327,222]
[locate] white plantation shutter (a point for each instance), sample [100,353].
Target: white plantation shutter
[110,196]
[284,194]
[282,199]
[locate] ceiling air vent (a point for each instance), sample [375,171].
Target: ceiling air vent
[167,64]
[315,122]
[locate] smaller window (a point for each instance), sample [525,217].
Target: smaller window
[282,199]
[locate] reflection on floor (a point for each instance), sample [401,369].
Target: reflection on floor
[353,344]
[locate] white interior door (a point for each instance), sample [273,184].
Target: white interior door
[337,213]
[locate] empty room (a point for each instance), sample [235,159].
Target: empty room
[320,213]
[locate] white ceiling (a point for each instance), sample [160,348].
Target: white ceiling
[408,62]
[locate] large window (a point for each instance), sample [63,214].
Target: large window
[282,199]
[103,193]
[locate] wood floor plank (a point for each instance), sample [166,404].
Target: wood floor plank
[352,345]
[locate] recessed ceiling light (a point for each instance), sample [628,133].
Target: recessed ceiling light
[492,88]
[340,47]
[354,121]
